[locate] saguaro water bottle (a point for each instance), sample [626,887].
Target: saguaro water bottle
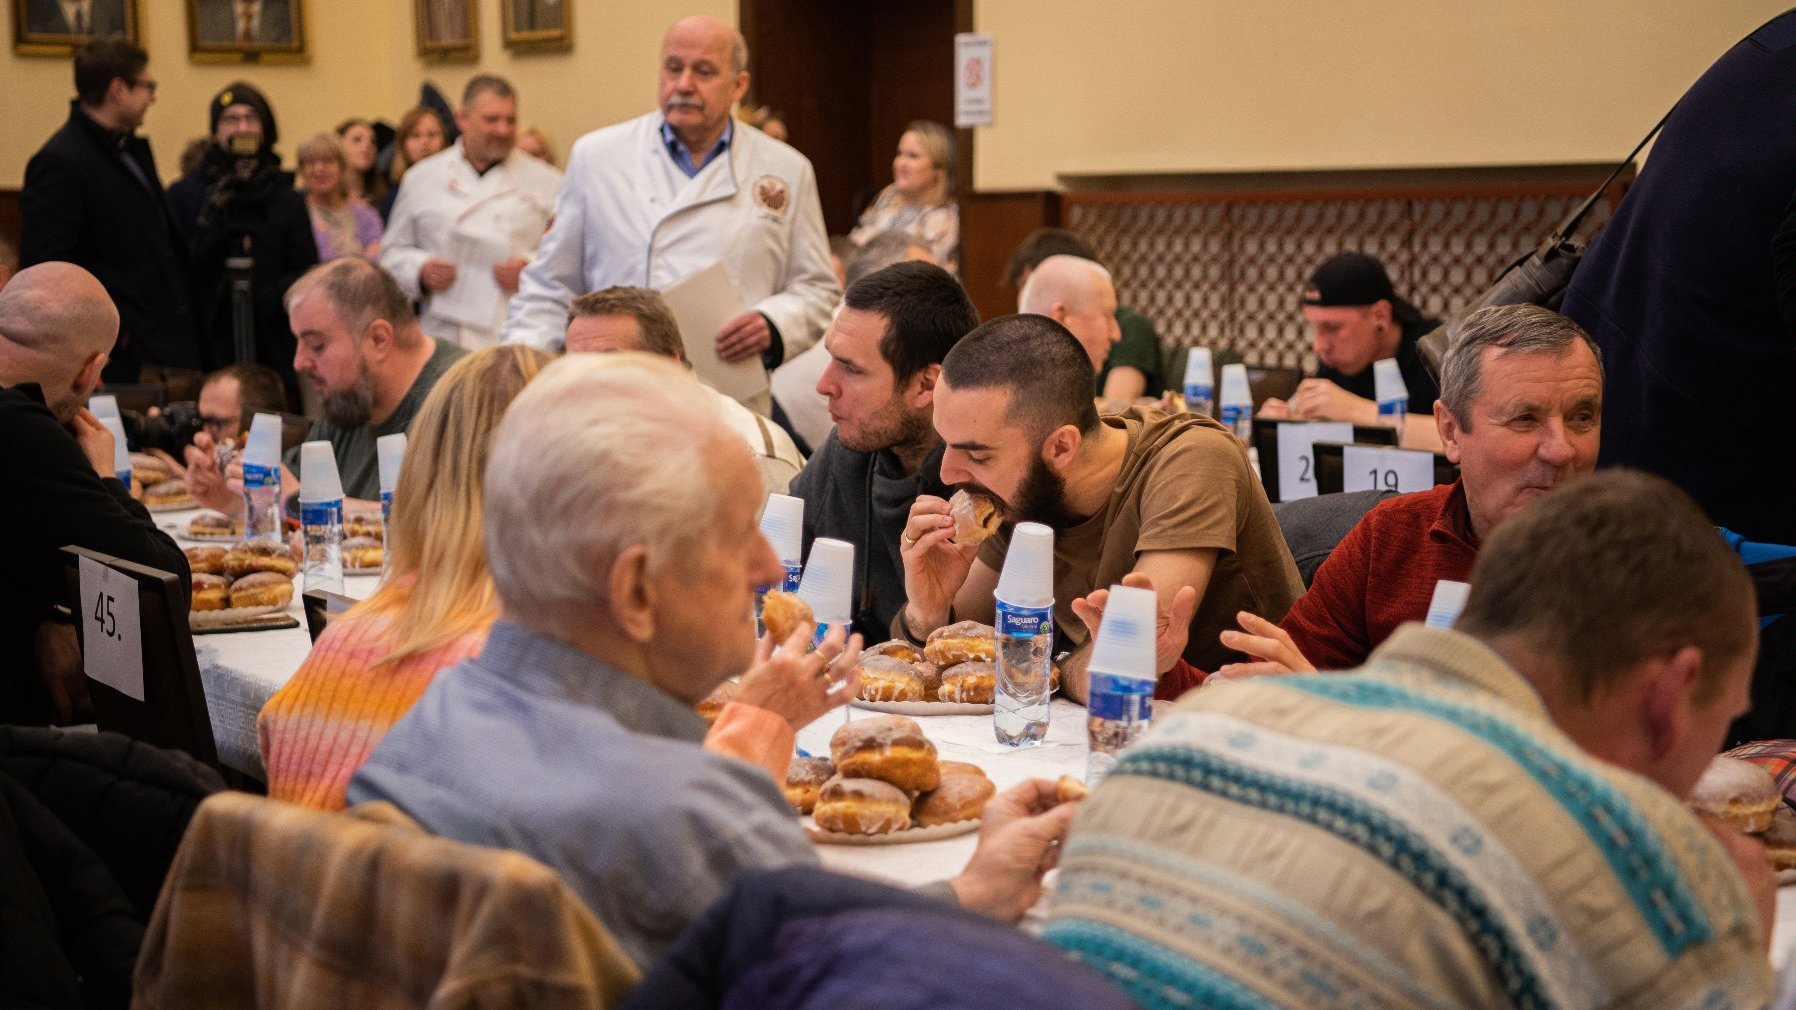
[1200,381]
[1120,699]
[1392,393]
[121,453]
[1025,637]
[782,523]
[828,585]
[321,516]
[262,479]
[390,451]
[1237,402]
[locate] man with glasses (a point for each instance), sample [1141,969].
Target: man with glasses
[93,197]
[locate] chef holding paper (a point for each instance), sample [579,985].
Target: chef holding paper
[675,194]
[467,219]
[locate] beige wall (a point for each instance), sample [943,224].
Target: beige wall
[363,62]
[1221,85]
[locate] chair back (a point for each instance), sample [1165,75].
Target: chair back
[322,607]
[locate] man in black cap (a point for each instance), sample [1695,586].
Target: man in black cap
[237,202]
[1355,319]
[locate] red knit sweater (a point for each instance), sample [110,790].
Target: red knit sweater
[1383,574]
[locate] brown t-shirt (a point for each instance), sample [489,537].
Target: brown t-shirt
[1185,484]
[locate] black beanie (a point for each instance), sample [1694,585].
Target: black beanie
[239,93]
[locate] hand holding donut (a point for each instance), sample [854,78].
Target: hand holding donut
[934,566]
[797,685]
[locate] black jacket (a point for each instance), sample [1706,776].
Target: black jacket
[82,204]
[52,497]
[215,210]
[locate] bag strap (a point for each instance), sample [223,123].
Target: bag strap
[1570,224]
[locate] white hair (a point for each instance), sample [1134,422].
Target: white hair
[600,453]
[1070,280]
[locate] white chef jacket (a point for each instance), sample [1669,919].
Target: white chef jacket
[627,215]
[511,201]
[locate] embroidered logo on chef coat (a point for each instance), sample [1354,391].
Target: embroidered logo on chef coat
[770,193]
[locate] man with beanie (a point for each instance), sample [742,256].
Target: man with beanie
[1355,319]
[237,203]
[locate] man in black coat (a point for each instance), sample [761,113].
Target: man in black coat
[92,196]
[239,200]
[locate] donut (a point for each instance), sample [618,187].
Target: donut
[960,643]
[363,524]
[976,517]
[363,552]
[898,649]
[1069,789]
[713,703]
[262,589]
[783,613]
[960,768]
[884,678]
[973,683]
[855,806]
[166,492]
[932,679]
[210,592]
[249,556]
[206,560]
[804,777]
[1738,792]
[958,798]
[147,470]
[213,524]
[891,748]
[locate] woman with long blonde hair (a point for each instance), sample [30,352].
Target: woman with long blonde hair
[920,200]
[432,610]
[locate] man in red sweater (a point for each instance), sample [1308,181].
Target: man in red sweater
[1520,411]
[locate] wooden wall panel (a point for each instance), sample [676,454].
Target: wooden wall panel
[991,225]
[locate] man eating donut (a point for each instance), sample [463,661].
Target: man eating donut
[572,736]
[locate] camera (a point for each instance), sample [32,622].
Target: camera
[171,430]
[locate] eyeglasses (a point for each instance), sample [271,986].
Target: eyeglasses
[245,118]
[216,423]
[144,82]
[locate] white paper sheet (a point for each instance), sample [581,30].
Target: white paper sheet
[1296,455]
[112,639]
[475,298]
[1367,468]
[702,303]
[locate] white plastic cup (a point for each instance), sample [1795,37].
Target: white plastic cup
[121,453]
[318,477]
[828,584]
[264,445]
[1125,645]
[103,406]
[1200,368]
[1235,390]
[391,451]
[1387,381]
[1028,576]
[782,523]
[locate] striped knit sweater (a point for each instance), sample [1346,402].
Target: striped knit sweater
[1415,834]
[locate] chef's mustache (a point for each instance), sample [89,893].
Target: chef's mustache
[686,102]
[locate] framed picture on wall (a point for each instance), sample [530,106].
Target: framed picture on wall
[538,24]
[246,31]
[56,27]
[447,29]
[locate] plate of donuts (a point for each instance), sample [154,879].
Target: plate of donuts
[212,528]
[232,586]
[953,673]
[883,785]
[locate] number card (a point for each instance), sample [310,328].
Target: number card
[111,637]
[1297,455]
[1372,468]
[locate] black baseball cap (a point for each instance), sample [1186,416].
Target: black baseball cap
[1355,279]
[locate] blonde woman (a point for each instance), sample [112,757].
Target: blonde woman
[419,136]
[920,200]
[341,225]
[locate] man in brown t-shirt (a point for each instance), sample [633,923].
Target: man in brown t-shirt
[1169,496]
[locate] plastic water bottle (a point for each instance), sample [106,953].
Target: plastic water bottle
[321,516]
[1237,402]
[1392,393]
[828,586]
[262,479]
[390,451]
[1120,699]
[121,453]
[1200,381]
[782,523]
[1025,637]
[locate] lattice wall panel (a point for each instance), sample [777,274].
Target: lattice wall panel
[1229,274]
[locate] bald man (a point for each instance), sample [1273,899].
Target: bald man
[647,203]
[1079,295]
[57,327]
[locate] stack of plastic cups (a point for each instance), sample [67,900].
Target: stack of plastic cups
[321,516]
[121,453]
[828,586]
[1200,381]
[1120,698]
[1025,637]
[1237,402]
[390,450]
[1392,393]
[782,523]
[103,406]
[262,479]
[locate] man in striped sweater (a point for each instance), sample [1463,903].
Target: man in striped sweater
[1484,817]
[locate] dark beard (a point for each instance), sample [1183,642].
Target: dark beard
[1041,498]
[348,409]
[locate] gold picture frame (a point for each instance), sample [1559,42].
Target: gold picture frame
[448,30]
[276,30]
[39,27]
[537,25]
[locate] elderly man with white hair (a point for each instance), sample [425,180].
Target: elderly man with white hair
[57,327]
[621,531]
[1078,294]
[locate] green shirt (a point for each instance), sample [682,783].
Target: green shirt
[357,462]
[1139,348]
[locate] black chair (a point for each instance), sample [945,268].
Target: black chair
[321,608]
[1331,469]
[1314,526]
[1265,440]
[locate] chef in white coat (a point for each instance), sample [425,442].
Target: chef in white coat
[468,219]
[651,201]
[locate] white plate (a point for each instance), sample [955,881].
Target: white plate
[905,837]
[184,505]
[923,707]
[210,538]
[228,616]
[349,569]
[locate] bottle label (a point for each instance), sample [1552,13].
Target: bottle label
[124,477]
[1196,394]
[794,573]
[822,632]
[321,513]
[255,477]
[1236,413]
[1024,622]
[1126,699]
[1392,411]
